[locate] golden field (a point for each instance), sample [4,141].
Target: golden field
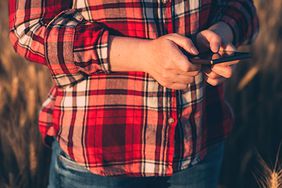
[255,92]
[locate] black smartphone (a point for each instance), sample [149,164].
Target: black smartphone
[210,58]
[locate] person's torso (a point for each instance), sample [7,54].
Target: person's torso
[126,122]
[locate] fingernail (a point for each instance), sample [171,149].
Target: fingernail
[194,50]
[215,48]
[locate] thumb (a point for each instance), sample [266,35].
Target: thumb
[213,39]
[229,47]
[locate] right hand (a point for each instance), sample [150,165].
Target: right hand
[167,64]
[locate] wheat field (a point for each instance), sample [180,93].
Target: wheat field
[23,87]
[255,92]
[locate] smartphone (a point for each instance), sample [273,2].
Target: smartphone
[210,58]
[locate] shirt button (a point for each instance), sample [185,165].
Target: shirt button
[170,120]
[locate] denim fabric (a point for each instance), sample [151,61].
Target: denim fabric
[65,173]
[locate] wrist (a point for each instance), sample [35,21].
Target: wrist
[142,54]
[127,53]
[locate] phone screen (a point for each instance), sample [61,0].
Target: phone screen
[210,58]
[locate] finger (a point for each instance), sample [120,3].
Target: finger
[214,82]
[178,86]
[202,42]
[215,43]
[214,40]
[181,61]
[229,63]
[183,64]
[185,73]
[206,69]
[216,56]
[183,79]
[177,78]
[229,47]
[212,75]
[174,85]
[224,71]
[183,42]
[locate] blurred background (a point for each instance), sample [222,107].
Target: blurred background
[255,92]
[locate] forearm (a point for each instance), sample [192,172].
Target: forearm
[127,53]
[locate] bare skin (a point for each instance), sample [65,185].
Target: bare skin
[217,37]
[163,59]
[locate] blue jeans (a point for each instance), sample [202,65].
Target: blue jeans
[65,173]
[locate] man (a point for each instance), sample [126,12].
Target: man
[128,108]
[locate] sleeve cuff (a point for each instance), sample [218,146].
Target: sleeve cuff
[91,48]
[232,23]
[75,48]
[241,17]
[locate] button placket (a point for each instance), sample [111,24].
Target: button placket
[172,118]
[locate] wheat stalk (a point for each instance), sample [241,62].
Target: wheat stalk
[31,103]
[269,178]
[14,88]
[2,98]
[32,158]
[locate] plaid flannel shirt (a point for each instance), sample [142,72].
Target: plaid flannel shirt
[115,123]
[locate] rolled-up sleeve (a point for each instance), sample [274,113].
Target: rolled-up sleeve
[52,33]
[242,18]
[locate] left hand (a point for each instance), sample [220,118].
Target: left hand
[217,38]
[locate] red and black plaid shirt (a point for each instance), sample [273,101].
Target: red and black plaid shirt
[117,123]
